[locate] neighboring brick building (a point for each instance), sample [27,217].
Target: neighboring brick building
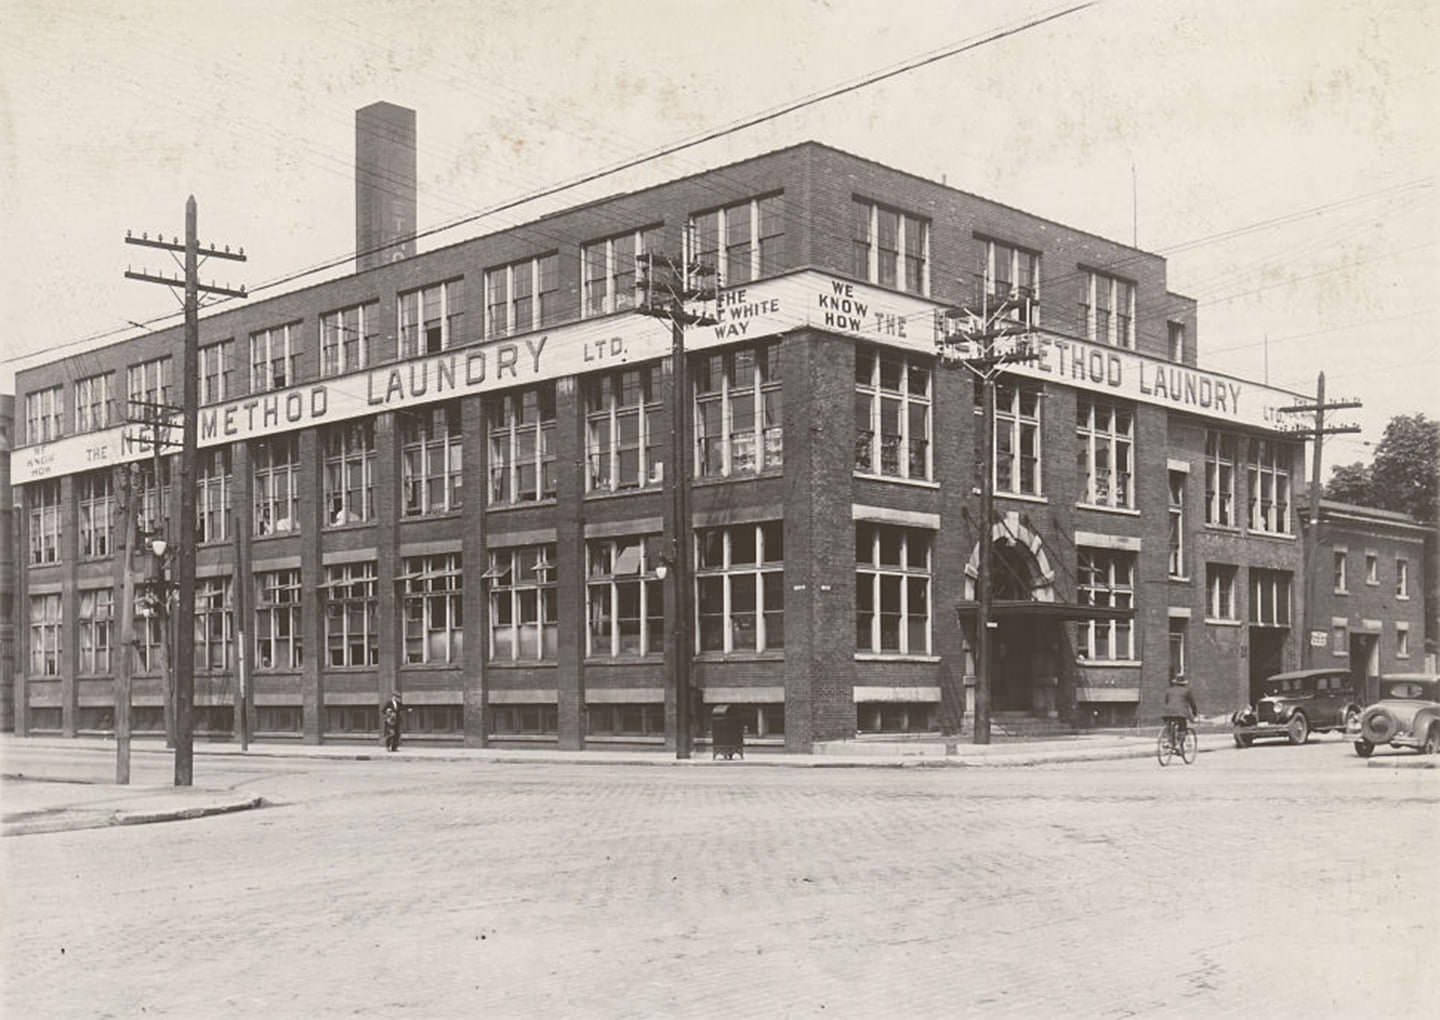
[1369,592]
[449,472]
[7,568]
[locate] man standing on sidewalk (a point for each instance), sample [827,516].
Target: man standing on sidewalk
[391,717]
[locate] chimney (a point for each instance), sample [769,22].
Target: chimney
[385,216]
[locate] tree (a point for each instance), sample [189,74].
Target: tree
[1349,483]
[1405,475]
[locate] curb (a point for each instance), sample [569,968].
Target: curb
[74,819]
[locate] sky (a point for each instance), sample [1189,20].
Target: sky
[1281,154]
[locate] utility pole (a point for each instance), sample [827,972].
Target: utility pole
[1316,431]
[240,579]
[184,661]
[985,342]
[124,494]
[667,293]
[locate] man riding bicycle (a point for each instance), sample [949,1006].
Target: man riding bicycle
[1180,707]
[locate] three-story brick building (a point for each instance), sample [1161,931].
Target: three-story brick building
[446,475]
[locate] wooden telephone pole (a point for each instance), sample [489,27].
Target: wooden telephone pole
[184,661]
[1316,431]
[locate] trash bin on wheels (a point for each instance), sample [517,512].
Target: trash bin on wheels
[727,733]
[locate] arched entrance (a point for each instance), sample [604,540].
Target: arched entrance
[1025,643]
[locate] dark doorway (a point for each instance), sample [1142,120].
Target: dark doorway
[1012,646]
[1365,665]
[1267,648]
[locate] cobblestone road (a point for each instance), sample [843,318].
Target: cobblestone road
[1293,881]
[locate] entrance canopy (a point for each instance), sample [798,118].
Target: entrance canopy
[1002,608]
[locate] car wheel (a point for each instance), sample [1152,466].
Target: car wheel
[1364,748]
[1299,728]
[1432,740]
[1352,720]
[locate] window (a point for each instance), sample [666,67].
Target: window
[431,318]
[349,450]
[1176,334]
[148,637]
[1402,641]
[1105,434]
[1007,271]
[522,445]
[42,414]
[1107,578]
[608,270]
[212,496]
[347,336]
[42,500]
[1268,474]
[626,720]
[432,442]
[621,448]
[97,630]
[740,587]
[738,421]
[277,485]
[152,495]
[892,414]
[742,242]
[522,296]
[97,514]
[274,358]
[1177,523]
[1341,557]
[1107,309]
[1269,598]
[1372,568]
[892,589]
[527,720]
[1220,451]
[624,600]
[1402,579]
[1016,455]
[215,365]
[45,623]
[890,248]
[1340,639]
[434,625]
[352,637]
[523,625]
[214,637]
[147,388]
[1220,591]
[94,402]
[277,620]
[1178,626]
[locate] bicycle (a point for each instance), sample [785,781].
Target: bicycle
[1167,747]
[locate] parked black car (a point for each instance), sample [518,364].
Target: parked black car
[1294,705]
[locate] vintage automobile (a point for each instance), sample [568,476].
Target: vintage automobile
[1297,704]
[1407,715]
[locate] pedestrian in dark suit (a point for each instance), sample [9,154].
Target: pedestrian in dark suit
[391,717]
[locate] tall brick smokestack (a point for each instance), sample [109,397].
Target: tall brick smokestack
[385,216]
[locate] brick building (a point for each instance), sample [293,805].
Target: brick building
[446,474]
[1368,592]
[7,568]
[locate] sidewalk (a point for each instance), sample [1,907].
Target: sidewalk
[34,802]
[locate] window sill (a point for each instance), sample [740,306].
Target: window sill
[1108,663]
[1121,510]
[1402,598]
[275,535]
[415,667]
[653,659]
[1228,529]
[503,507]
[766,656]
[624,738]
[639,490]
[1214,622]
[349,669]
[919,483]
[1341,591]
[1278,535]
[528,664]
[893,657]
[350,525]
[1021,497]
[704,480]
[1179,578]
[1399,656]
[434,515]
[268,671]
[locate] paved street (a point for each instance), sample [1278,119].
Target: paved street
[1297,881]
